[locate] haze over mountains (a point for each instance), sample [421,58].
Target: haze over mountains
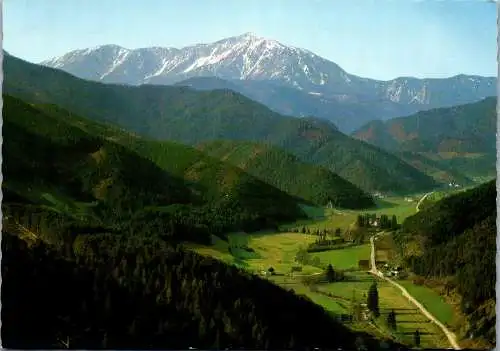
[289,80]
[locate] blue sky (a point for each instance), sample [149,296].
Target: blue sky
[380,39]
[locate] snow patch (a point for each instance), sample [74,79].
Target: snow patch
[121,57]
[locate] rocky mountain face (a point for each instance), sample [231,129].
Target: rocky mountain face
[289,80]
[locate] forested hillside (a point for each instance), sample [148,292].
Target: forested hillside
[463,129]
[462,137]
[316,185]
[455,239]
[139,292]
[67,167]
[91,253]
[188,116]
[440,169]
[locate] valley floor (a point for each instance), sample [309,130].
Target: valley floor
[259,252]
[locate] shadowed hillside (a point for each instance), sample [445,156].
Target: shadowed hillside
[285,171]
[454,240]
[62,160]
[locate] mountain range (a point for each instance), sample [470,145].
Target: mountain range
[270,72]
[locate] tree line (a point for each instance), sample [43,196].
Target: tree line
[123,291]
[368,220]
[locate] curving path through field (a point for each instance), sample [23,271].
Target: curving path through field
[451,336]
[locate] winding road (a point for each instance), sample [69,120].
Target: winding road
[422,199]
[451,336]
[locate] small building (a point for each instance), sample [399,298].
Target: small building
[365,312]
[374,222]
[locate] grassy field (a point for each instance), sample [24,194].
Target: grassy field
[258,252]
[398,206]
[408,317]
[345,258]
[267,250]
[431,300]
[327,218]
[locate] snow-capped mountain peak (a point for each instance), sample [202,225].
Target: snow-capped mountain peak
[250,57]
[246,56]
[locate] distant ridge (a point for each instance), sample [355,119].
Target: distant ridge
[289,80]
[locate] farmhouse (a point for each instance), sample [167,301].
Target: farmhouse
[374,222]
[364,312]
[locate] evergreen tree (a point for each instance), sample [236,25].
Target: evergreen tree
[372,300]
[360,344]
[361,221]
[384,221]
[394,222]
[353,303]
[291,343]
[330,273]
[416,338]
[391,320]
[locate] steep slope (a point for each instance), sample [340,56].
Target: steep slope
[466,128]
[439,170]
[313,184]
[455,239]
[189,116]
[252,59]
[85,267]
[120,178]
[463,134]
